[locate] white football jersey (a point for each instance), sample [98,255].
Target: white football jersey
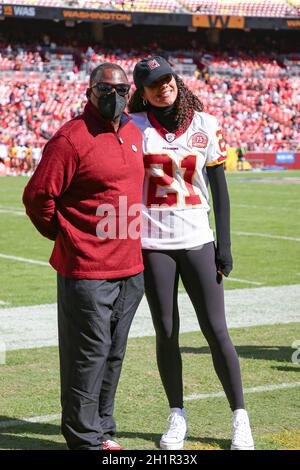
[175,195]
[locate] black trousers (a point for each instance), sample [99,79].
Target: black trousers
[94,318]
[198,272]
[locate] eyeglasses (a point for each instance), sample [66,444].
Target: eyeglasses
[105,88]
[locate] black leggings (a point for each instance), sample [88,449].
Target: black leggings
[198,273]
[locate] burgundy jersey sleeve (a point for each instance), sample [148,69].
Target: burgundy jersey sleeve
[50,180]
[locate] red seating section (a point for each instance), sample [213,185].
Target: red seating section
[256,100]
[265,8]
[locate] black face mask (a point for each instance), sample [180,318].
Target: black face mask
[111,106]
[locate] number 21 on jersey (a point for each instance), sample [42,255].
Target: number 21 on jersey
[166,180]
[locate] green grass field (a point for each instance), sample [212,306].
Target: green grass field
[30,387]
[266,250]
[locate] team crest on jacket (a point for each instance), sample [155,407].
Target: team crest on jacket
[199,140]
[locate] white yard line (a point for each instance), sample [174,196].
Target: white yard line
[266,235]
[262,207]
[259,389]
[35,419]
[243,281]
[35,326]
[19,209]
[12,212]
[43,263]
[201,396]
[24,260]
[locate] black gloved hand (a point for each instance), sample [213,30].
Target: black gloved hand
[224,261]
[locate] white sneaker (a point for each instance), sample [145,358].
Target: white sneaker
[173,438]
[241,431]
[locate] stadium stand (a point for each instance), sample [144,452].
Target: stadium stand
[261,113]
[256,8]
[158,6]
[97,4]
[267,8]
[251,82]
[296,5]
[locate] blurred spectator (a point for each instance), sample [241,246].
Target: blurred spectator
[2,168]
[240,158]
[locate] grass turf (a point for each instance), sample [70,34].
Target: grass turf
[266,203]
[30,387]
[270,208]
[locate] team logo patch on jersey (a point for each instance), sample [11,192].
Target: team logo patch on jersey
[170,137]
[199,140]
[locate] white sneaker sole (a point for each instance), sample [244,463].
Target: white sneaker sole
[167,446]
[175,446]
[233,447]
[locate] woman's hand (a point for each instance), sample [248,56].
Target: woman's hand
[224,261]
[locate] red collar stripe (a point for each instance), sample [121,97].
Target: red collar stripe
[162,131]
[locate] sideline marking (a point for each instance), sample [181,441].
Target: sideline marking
[18,209]
[266,235]
[259,389]
[253,206]
[35,419]
[24,260]
[244,281]
[12,212]
[44,263]
[35,326]
[202,396]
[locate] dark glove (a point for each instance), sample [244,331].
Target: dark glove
[224,261]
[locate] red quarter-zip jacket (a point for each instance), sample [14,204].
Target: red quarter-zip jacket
[85,165]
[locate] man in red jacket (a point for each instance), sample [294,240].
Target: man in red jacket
[86,194]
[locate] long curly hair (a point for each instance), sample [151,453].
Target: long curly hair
[185,101]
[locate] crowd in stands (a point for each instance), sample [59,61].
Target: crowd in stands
[256,97]
[257,8]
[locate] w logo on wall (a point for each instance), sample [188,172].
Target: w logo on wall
[215,21]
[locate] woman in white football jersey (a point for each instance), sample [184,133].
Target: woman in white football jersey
[183,152]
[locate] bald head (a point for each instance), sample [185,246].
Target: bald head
[108,91]
[108,73]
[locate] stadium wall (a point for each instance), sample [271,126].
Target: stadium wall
[137,18]
[287,160]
